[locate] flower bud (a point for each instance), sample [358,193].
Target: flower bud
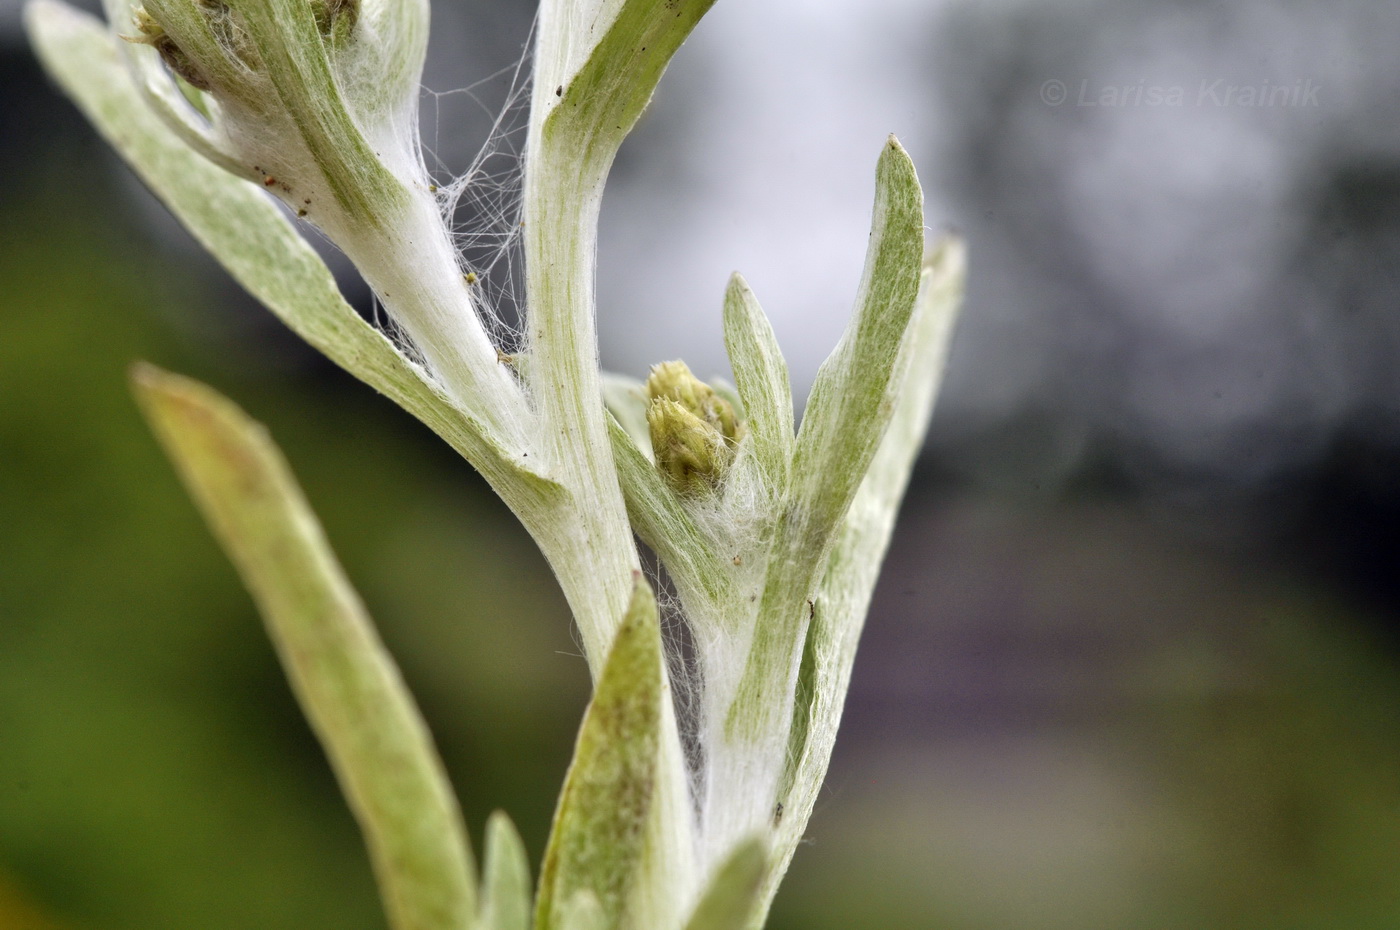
[150,32]
[673,380]
[315,99]
[693,429]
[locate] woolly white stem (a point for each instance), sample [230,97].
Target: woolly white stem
[596,556]
[411,264]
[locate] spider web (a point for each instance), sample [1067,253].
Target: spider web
[481,205]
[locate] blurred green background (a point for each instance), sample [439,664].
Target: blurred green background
[1096,691]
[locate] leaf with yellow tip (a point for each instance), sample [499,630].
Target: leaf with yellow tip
[345,680]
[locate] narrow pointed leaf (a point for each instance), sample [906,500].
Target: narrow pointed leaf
[346,682]
[854,566]
[660,518]
[505,880]
[762,378]
[285,34]
[598,105]
[598,845]
[852,398]
[242,227]
[850,406]
[733,893]
[160,87]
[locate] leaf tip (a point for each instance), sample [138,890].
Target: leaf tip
[739,302]
[153,386]
[190,418]
[642,605]
[894,159]
[946,255]
[156,387]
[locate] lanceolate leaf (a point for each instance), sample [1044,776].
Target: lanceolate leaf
[601,102]
[849,408]
[762,378]
[661,520]
[505,880]
[599,843]
[284,32]
[853,396]
[860,546]
[346,682]
[241,226]
[157,85]
[730,900]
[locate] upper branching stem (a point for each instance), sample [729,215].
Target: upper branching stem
[593,553]
[411,263]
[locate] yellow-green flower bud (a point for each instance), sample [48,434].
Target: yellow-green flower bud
[691,453]
[674,381]
[693,429]
[150,32]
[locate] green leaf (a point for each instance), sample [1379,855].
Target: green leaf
[762,377]
[505,881]
[853,396]
[626,400]
[166,94]
[298,62]
[850,406]
[603,100]
[246,231]
[854,566]
[599,842]
[661,519]
[733,893]
[347,684]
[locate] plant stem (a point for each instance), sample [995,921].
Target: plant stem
[411,264]
[592,550]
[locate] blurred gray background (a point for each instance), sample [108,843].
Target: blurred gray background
[1135,659]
